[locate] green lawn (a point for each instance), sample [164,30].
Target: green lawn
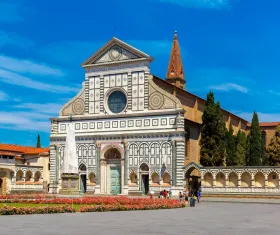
[76,207]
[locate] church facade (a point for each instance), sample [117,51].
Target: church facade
[134,131]
[129,132]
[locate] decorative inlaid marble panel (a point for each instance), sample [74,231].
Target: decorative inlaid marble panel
[125,124]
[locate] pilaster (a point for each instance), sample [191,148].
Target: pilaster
[129,91]
[173,163]
[266,180]
[101,94]
[146,92]
[98,174]
[53,172]
[180,153]
[86,95]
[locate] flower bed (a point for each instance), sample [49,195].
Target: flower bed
[8,210]
[118,207]
[86,204]
[91,201]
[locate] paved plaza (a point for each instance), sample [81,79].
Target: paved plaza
[205,218]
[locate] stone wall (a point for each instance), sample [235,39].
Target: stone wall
[238,180]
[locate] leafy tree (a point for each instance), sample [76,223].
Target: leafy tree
[255,145]
[230,147]
[273,150]
[213,148]
[241,147]
[38,145]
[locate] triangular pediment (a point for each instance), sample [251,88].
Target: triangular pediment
[115,51]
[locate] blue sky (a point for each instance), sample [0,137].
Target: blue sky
[228,46]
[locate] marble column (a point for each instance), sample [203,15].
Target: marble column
[53,170]
[227,181]
[173,163]
[98,175]
[266,181]
[103,176]
[126,168]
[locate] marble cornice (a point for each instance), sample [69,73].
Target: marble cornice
[116,63]
[126,115]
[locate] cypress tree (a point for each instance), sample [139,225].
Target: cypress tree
[38,145]
[255,147]
[230,147]
[213,149]
[241,147]
[273,150]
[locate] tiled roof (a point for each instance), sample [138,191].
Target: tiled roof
[22,149]
[6,153]
[267,124]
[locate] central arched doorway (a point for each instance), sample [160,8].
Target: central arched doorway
[83,178]
[113,169]
[144,176]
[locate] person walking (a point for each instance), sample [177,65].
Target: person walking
[198,196]
[161,194]
[180,197]
[164,193]
[170,193]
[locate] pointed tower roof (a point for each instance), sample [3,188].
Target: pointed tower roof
[175,72]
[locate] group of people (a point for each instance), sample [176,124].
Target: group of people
[162,194]
[189,194]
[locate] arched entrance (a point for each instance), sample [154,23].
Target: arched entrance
[144,176]
[111,170]
[83,178]
[193,177]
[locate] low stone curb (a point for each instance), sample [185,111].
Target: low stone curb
[241,200]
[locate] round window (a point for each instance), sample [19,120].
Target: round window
[117,102]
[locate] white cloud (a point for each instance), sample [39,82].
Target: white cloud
[22,121]
[29,116]
[48,108]
[27,66]
[212,4]
[3,96]
[10,11]
[229,87]
[263,117]
[20,80]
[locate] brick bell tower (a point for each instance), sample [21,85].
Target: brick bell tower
[175,72]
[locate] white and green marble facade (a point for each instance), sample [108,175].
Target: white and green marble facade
[150,129]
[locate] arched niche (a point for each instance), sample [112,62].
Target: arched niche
[92,178]
[246,180]
[133,179]
[166,179]
[259,180]
[155,179]
[28,176]
[273,180]
[19,176]
[208,180]
[233,179]
[37,177]
[220,180]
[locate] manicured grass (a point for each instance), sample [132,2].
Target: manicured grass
[76,207]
